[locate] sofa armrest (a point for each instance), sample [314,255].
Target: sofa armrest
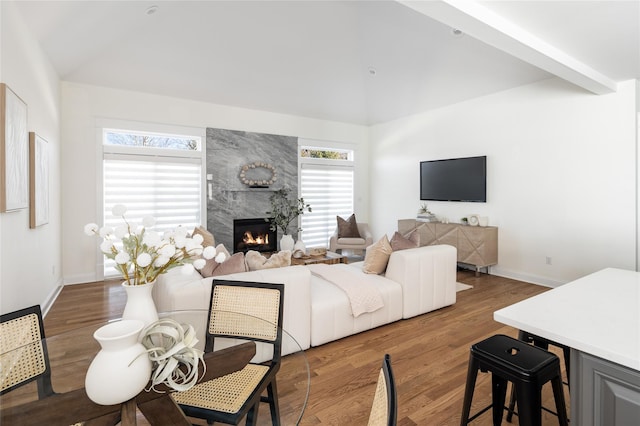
[427,276]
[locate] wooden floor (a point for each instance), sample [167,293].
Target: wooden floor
[429,354]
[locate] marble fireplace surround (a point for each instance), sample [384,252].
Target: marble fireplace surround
[229,199]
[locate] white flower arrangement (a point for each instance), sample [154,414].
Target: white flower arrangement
[145,253]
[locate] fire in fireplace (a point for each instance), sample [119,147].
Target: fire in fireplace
[253,234]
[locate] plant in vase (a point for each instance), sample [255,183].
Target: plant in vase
[141,255]
[285,210]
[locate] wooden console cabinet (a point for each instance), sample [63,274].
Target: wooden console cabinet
[476,245]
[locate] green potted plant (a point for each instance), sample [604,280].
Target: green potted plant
[285,210]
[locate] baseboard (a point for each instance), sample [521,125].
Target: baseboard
[528,278]
[53,295]
[81,279]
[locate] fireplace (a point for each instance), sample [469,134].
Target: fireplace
[253,234]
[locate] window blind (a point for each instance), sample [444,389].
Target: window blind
[168,189]
[329,191]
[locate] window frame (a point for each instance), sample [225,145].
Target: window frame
[350,163]
[135,127]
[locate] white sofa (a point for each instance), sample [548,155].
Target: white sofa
[416,281]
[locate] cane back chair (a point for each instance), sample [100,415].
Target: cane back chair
[247,311]
[23,352]
[384,411]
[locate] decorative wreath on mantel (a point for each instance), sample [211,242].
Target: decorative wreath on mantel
[258,183]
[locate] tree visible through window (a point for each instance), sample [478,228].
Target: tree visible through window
[151,141]
[324,153]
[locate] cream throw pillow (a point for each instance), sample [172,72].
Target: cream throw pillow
[256,261]
[377,257]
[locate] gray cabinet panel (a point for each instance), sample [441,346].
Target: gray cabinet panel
[603,393]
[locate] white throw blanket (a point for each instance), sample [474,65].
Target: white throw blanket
[363,296]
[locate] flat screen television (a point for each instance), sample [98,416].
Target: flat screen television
[455,179]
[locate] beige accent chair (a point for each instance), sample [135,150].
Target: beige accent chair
[359,244]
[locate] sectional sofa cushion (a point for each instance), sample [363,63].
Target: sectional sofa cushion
[331,314]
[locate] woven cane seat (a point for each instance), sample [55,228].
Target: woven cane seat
[227,393]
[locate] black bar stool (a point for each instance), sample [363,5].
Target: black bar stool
[544,343]
[526,366]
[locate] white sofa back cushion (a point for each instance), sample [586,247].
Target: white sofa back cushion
[297,299]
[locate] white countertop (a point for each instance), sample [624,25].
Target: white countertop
[598,314]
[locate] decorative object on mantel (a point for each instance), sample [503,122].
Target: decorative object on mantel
[171,345]
[256,182]
[121,368]
[464,221]
[424,215]
[142,254]
[473,219]
[283,212]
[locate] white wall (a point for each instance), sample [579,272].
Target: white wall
[30,259]
[83,105]
[561,175]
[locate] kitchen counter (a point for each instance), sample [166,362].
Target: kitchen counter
[598,314]
[598,317]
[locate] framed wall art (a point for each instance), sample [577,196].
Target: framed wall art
[38,181]
[14,151]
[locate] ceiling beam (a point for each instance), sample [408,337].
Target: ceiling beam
[485,25]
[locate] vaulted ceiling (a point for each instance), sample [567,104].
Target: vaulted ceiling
[361,62]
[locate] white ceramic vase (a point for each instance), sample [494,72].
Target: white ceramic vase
[140,305]
[299,245]
[286,242]
[122,368]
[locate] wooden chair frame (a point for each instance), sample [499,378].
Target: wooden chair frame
[37,342]
[268,382]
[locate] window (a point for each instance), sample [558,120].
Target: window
[326,183]
[152,174]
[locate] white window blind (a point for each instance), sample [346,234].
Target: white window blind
[166,188]
[329,191]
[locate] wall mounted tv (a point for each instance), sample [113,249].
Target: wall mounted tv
[455,179]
